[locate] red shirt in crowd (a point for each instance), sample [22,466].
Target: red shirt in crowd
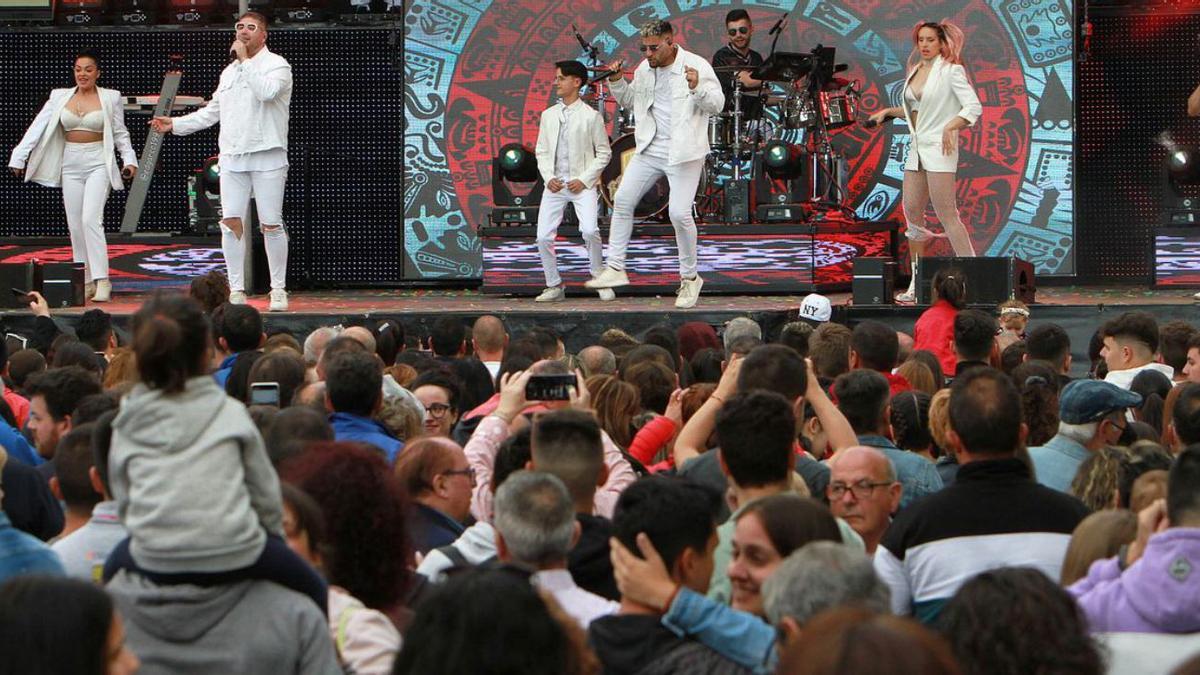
[935,332]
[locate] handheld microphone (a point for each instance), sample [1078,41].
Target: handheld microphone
[869,123]
[778,24]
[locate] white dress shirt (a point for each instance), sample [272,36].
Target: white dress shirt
[583,606]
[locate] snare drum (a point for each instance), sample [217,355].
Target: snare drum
[720,131]
[839,108]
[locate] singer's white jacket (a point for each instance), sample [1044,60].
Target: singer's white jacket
[947,94]
[251,102]
[40,151]
[585,133]
[691,107]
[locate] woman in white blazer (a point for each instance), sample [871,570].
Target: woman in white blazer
[70,144]
[938,102]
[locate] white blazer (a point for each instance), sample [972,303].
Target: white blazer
[692,107]
[40,151]
[585,132]
[947,94]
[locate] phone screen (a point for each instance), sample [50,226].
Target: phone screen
[549,387]
[264,393]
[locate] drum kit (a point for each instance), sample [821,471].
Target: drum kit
[802,102]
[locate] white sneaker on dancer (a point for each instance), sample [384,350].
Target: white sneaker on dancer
[689,292]
[1196,297]
[103,291]
[237,298]
[607,294]
[552,294]
[609,278]
[910,296]
[89,290]
[278,300]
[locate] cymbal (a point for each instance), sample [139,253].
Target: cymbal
[732,69]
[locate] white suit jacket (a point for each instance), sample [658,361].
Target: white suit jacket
[252,103]
[948,94]
[692,107]
[40,151]
[585,132]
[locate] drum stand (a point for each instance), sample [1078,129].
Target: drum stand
[737,190]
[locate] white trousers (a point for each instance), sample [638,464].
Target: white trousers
[640,175]
[587,205]
[85,186]
[266,187]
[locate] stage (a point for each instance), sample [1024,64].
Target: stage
[581,319]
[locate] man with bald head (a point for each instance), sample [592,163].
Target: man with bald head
[362,335]
[598,360]
[864,492]
[489,339]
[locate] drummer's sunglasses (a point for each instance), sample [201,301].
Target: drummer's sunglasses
[740,29]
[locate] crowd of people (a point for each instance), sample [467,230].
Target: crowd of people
[209,493]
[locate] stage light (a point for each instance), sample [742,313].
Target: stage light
[204,197]
[515,164]
[1182,168]
[783,160]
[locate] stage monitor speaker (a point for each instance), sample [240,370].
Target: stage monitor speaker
[737,201]
[62,284]
[19,276]
[874,281]
[990,280]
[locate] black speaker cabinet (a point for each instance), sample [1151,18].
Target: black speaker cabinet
[19,276]
[737,201]
[874,280]
[990,280]
[62,284]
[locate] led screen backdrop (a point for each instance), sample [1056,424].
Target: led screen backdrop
[478,74]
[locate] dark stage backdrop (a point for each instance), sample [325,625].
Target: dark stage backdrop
[342,208]
[478,73]
[1134,86]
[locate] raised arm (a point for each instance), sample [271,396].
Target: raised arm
[693,438]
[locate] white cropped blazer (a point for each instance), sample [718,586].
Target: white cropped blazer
[947,94]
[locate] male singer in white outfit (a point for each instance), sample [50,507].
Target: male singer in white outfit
[572,150]
[251,103]
[672,95]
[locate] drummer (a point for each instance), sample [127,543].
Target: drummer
[739,29]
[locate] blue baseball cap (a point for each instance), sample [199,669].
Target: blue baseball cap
[1086,401]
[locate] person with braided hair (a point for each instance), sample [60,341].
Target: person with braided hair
[910,423]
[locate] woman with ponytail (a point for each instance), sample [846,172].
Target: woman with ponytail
[934,330]
[189,470]
[937,87]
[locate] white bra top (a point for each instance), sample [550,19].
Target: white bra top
[92,121]
[912,98]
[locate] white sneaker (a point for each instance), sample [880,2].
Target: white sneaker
[609,278]
[89,290]
[907,296]
[103,291]
[1196,297]
[552,294]
[237,298]
[278,300]
[689,292]
[607,294]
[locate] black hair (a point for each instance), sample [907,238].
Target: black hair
[1013,356]
[974,335]
[237,385]
[1048,342]
[757,433]
[242,327]
[791,521]
[92,406]
[1038,383]
[94,329]
[283,367]
[910,420]
[568,444]
[62,388]
[863,396]
[1183,487]
[446,336]
[1139,461]
[1186,414]
[573,68]
[513,455]
[674,513]
[389,339]
[102,432]
[774,368]
[88,53]
[737,15]
[985,412]
[294,428]
[38,612]
[464,610]
[1173,339]
[76,353]
[645,353]
[1018,620]
[877,345]
[171,341]
[706,365]
[654,382]
[72,459]
[353,383]
[795,335]
[950,284]
[1138,326]
[546,339]
[1154,387]
[443,379]
[742,346]
[665,337]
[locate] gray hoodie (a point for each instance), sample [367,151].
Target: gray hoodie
[245,627]
[192,480]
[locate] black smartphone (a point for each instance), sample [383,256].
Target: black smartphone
[22,296]
[549,387]
[264,393]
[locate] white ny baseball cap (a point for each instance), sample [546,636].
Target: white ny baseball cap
[816,307]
